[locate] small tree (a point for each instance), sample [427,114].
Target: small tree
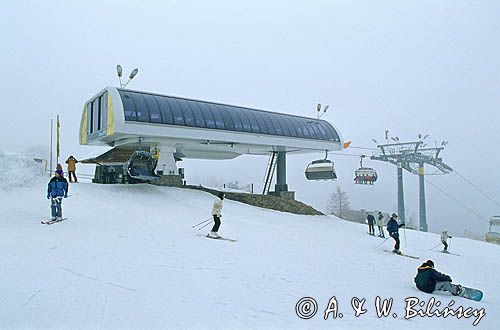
[338,203]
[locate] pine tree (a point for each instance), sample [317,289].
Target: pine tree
[338,203]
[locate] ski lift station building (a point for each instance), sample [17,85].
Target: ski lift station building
[174,128]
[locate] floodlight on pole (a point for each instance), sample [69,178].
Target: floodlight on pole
[119,72]
[375,141]
[318,109]
[133,73]
[131,76]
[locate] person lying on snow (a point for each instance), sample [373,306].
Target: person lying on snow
[429,280]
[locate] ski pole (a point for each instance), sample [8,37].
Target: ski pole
[208,223]
[404,232]
[202,222]
[435,246]
[385,240]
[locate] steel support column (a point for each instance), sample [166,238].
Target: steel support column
[281,173]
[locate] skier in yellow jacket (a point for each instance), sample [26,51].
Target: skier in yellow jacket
[216,213]
[71,161]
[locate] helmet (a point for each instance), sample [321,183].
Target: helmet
[394,215]
[445,230]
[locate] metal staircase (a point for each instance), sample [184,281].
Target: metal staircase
[271,167]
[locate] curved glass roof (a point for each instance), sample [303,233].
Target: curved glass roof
[160,109]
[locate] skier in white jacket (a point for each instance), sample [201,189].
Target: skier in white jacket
[216,213]
[444,238]
[380,224]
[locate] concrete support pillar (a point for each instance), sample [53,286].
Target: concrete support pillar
[166,161]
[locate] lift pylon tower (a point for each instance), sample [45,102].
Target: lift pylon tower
[412,156]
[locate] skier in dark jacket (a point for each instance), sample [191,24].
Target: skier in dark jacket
[371,222]
[56,190]
[428,280]
[393,229]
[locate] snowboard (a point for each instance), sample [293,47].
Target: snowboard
[50,222]
[472,294]
[403,255]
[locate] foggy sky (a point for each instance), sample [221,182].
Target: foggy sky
[411,67]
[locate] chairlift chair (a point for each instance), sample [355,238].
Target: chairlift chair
[321,169]
[365,175]
[141,166]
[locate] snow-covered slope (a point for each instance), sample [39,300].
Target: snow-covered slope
[128,258]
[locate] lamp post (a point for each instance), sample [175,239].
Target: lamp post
[319,109]
[119,71]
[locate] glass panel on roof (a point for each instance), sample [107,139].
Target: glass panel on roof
[154,109]
[140,107]
[207,113]
[274,120]
[301,125]
[187,112]
[292,124]
[237,124]
[322,133]
[176,111]
[309,126]
[253,121]
[198,115]
[166,114]
[284,125]
[264,129]
[128,106]
[331,134]
[219,119]
[313,129]
[245,120]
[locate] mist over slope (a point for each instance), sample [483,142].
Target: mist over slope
[128,258]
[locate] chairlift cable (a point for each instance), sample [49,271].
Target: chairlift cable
[475,187]
[457,201]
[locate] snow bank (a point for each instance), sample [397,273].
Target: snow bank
[19,171]
[128,258]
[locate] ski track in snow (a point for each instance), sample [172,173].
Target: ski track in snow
[31,297]
[97,280]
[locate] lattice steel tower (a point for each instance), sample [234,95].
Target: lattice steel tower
[412,156]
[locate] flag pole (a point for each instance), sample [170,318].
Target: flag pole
[58,139]
[51,139]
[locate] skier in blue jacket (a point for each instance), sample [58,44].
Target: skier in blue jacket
[56,190]
[393,229]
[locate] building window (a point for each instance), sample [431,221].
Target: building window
[90,116]
[99,113]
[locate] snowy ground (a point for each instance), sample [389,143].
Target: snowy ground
[127,258]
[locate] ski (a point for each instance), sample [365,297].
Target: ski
[220,238]
[50,222]
[402,254]
[447,252]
